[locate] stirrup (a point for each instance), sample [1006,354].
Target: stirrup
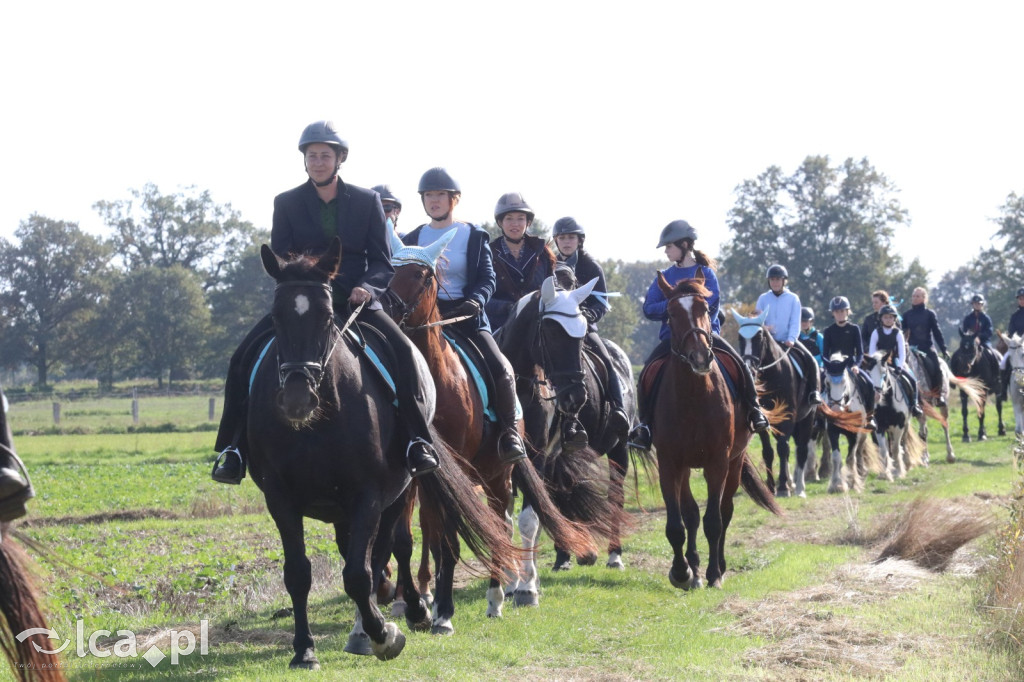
[422,463]
[640,437]
[13,506]
[510,447]
[758,422]
[223,472]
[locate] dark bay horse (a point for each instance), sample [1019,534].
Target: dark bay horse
[20,599]
[560,386]
[975,360]
[461,421]
[698,424]
[326,444]
[782,385]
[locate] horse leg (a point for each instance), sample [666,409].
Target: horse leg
[414,607]
[679,575]
[853,443]
[715,479]
[618,463]
[500,497]
[884,451]
[691,519]
[963,411]
[982,434]
[403,543]
[528,591]
[837,483]
[297,580]
[423,575]
[447,553]
[768,455]
[802,437]
[999,412]
[950,457]
[732,484]
[782,446]
[386,640]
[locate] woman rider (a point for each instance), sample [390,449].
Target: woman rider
[521,261]
[889,339]
[306,219]
[678,238]
[569,237]
[466,282]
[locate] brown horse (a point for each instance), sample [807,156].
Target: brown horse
[19,600]
[698,424]
[460,419]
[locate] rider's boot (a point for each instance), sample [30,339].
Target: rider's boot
[640,437]
[910,388]
[229,467]
[420,457]
[510,446]
[15,486]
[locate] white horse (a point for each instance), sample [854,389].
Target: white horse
[1015,360]
[842,397]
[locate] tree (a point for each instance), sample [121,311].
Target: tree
[167,317]
[186,229]
[634,281]
[832,227]
[619,323]
[49,282]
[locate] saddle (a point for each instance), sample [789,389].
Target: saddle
[650,377]
[473,361]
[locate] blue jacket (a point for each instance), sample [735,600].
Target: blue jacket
[1016,325]
[980,324]
[783,314]
[480,279]
[656,306]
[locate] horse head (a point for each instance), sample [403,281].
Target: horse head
[755,340]
[839,387]
[559,331]
[306,335]
[1014,351]
[964,357]
[690,322]
[877,372]
[414,281]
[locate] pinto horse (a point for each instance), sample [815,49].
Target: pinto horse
[698,424]
[847,416]
[899,446]
[461,421]
[935,396]
[326,443]
[560,386]
[19,599]
[975,360]
[1015,391]
[783,385]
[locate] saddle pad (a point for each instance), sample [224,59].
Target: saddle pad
[730,371]
[649,377]
[796,366]
[473,365]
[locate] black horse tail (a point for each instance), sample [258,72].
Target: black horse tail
[578,487]
[19,611]
[756,489]
[572,536]
[451,498]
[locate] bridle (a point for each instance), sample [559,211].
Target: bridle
[408,309]
[574,378]
[692,331]
[312,370]
[760,358]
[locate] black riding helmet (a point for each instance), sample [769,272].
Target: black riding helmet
[839,303]
[387,195]
[806,314]
[568,225]
[887,310]
[438,180]
[978,298]
[776,270]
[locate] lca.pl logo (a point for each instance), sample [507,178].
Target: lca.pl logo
[126,646]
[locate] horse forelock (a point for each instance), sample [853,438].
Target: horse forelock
[690,287]
[302,267]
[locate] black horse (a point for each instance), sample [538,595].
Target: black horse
[326,443]
[562,391]
[782,385]
[975,360]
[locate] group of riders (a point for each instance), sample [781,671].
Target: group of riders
[480,281]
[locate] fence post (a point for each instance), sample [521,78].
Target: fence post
[213,404]
[56,414]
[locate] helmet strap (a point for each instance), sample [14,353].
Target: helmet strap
[513,241]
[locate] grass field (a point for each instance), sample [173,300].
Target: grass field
[138,538]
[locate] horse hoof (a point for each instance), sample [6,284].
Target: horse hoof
[562,566]
[681,584]
[359,644]
[1002,431]
[802,494]
[394,642]
[982,437]
[305,661]
[950,458]
[398,609]
[442,627]
[716,585]
[782,491]
[526,598]
[966,438]
[615,561]
[696,583]
[421,625]
[588,559]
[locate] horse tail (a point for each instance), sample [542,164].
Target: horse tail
[932,412]
[778,413]
[19,611]
[575,484]
[755,487]
[914,447]
[870,456]
[454,503]
[847,421]
[973,387]
[569,535]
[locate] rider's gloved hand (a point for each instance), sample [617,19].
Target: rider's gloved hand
[467,307]
[590,315]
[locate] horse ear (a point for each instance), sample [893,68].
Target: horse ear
[433,251]
[579,295]
[700,276]
[762,317]
[736,316]
[331,259]
[666,288]
[396,243]
[271,263]
[547,291]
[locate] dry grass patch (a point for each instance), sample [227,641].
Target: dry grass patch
[930,531]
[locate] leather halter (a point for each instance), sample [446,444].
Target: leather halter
[311,370]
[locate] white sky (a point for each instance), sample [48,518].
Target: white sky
[625,118]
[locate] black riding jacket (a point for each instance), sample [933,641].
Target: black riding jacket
[846,340]
[921,325]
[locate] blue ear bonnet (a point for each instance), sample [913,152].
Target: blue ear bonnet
[749,326]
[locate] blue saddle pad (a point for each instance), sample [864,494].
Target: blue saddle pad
[478,379]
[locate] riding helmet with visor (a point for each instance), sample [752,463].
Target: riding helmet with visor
[386,195]
[887,310]
[510,203]
[438,180]
[806,314]
[839,303]
[676,230]
[776,270]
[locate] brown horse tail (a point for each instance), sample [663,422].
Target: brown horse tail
[756,489]
[571,536]
[19,611]
[452,499]
[777,413]
[931,412]
[578,486]
[847,421]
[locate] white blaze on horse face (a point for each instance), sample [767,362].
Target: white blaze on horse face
[301,304]
[686,303]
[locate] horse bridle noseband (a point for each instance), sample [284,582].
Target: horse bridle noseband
[312,370]
[696,331]
[575,377]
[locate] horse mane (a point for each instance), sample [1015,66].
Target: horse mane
[300,267]
[688,287]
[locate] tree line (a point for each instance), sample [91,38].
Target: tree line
[178,281]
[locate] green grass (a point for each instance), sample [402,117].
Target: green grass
[194,551]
